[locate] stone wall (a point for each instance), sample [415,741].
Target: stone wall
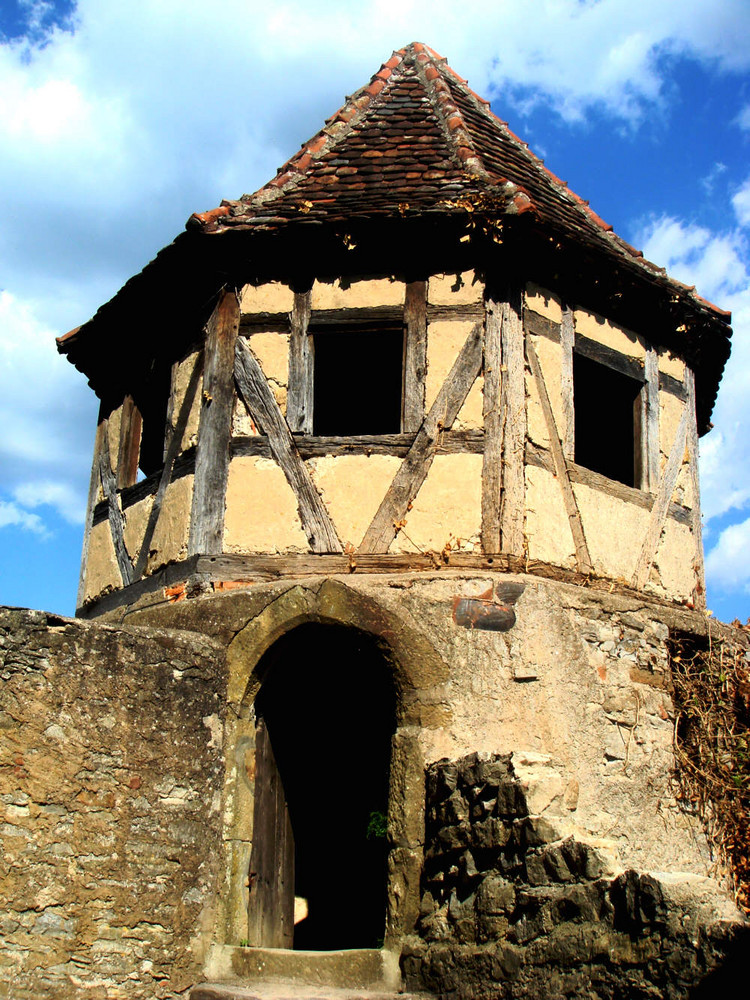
[511,907]
[110,786]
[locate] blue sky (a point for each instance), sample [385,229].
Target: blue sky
[119,119]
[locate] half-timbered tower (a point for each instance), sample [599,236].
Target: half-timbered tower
[415,433]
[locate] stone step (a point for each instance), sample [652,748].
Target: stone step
[290,991]
[355,969]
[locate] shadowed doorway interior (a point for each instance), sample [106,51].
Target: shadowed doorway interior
[327,708]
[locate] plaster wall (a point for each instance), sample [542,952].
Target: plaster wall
[363,294]
[352,487]
[182,373]
[610,334]
[261,509]
[447,511]
[465,288]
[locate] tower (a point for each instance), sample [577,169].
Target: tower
[417,435]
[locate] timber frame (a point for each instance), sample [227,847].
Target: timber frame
[499,349]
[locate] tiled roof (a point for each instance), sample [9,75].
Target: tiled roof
[418,140]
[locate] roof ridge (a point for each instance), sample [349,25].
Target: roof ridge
[429,64]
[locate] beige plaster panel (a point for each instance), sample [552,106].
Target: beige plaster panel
[547,527]
[272,297]
[674,564]
[470,416]
[670,413]
[671,365]
[358,295]
[610,334]
[181,375]
[541,301]
[242,423]
[352,487]
[614,531]
[272,352]
[261,514]
[102,571]
[445,339]
[170,538]
[447,508]
[455,289]
[136,519]
[536,424]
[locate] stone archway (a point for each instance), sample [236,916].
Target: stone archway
[418,672]
[325,717]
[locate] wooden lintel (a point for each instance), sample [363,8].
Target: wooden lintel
[215,427]
[562,470]
[661,504]
[299,405]
[263,408]
[413,470]
[415,355]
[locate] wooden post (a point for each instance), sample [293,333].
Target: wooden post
[93,496]
[129,449]
[647,426]
[567,345]
[215,428]
[513,406]
[415,356]
[492,459]
[699,591]
[299,403]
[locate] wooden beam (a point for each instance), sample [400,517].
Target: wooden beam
[175,434]
[661,505]
[387,521]
[263,408]
[450,443]
[128,451]
[116,517]
[646,407]
[492,460]
[91,503]
[215,427]
[562,471]
[567,346]
[299,402]
[513,408]
[415,355]
[699,591]
[622,363]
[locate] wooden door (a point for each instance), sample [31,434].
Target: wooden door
[271,902]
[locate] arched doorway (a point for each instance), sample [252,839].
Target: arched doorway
[325,715]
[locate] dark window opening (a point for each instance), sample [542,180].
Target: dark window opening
[605,419]
[328,702]
[357,381]
[152,403]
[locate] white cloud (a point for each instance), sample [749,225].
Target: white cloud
[741,204]
[728,562]
[743,118]
[69,502]
[11,515]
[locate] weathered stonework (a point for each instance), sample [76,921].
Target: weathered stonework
[110,794]
[512,907]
